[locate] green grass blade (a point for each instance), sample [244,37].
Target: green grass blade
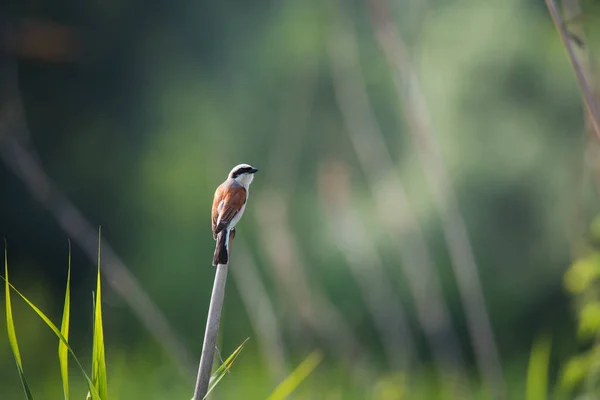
[537,371]
[98,357]
[224,368]
[63,351]
[294,380]
[44,317]
[12,335]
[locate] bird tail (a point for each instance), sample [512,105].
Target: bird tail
[221,252]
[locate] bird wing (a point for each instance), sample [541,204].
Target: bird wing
[215,208]
[228,202]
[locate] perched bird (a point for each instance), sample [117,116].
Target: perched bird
[228,207]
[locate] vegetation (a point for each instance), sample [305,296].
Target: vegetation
[418,227]
[98,384]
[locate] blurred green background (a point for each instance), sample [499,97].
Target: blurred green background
[136,111]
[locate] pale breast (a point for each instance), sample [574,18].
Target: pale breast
[237,216]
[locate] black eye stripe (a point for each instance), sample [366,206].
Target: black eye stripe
[241,171]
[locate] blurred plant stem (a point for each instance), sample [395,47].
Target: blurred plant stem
[453,225]
[260,312]
[572,9]
[389,194]
[300,373]
[587,164]
[211,333]
[277,237]
[318,312]
[348,233]
[18,154]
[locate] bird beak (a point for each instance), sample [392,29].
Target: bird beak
[253,170]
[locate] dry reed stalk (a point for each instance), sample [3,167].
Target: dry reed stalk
[212,332]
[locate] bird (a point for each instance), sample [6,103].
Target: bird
[228,207]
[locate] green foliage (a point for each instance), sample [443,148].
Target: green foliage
[63,351]
[582,273]
[537,373]
[99,377]
[97,385]
[297,376]
[501,97]
[581,372]
[393,386]
[589,320]
[224,368]
[12,336]
[93,393]
[574,372]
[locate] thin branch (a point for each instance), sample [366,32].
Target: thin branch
[211,333]
[584,84]
[453,225]
[587,165]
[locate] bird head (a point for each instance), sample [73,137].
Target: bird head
[243,173]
